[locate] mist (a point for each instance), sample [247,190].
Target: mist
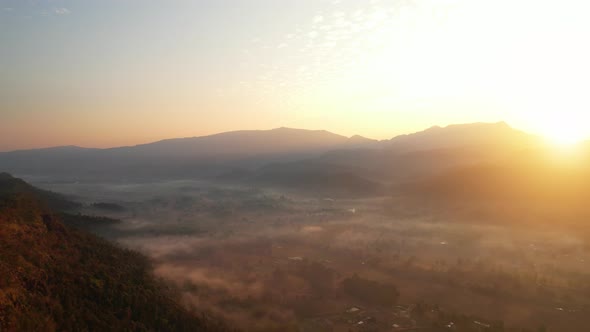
[278,260]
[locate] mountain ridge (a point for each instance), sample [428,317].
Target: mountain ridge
[189,138]
[479,133]
[214,155]
[355,137]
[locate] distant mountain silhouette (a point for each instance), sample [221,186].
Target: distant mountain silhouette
[181,157]
[476,134]
[428,152]
[260,155]
[254,143]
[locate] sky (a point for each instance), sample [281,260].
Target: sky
[121,72]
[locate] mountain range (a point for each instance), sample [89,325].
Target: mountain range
[310,161]
[194,157]
[217,155]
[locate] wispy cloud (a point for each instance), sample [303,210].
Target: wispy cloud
[61,11]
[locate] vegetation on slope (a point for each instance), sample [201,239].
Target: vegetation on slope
[10,186]
[54,278]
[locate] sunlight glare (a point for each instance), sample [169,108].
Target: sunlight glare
[564,135]
[454,50]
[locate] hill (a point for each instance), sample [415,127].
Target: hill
[10,186]
[539,186]
[55,278]
[308,179]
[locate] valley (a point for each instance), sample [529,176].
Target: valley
[274,261]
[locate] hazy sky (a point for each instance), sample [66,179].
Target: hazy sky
[115,72]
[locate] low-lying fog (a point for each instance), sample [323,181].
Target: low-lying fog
[275,261]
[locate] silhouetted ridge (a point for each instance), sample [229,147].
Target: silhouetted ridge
[214,156]
[483,134]
[12,186]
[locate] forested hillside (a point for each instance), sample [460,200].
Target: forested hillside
[54,278]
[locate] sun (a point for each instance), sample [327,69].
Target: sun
[564,135]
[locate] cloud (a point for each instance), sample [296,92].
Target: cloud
[61,11]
